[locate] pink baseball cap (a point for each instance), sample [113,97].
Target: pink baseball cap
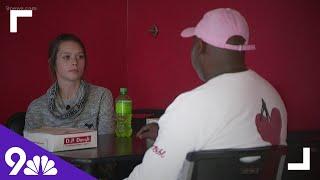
[218,25]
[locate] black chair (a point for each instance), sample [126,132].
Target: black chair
[297,140]
[153,113]
[239,164]
[16,122]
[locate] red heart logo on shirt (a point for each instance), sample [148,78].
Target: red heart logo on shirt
[270,128]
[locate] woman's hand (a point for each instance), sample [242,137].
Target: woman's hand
[149,131]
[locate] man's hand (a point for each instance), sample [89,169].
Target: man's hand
[149,131]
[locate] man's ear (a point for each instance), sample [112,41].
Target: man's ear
[202,47]
[199,46]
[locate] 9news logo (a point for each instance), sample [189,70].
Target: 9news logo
[33,166]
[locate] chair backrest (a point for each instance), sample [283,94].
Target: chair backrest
[16,122]
[251,163]
[148,113]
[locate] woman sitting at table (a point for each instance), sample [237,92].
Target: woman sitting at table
[71,101]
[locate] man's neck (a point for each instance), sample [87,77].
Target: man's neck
[226,69]
[68,89]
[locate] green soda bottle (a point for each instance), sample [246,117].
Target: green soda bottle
[123,114]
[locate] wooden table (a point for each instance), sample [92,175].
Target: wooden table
[116,156]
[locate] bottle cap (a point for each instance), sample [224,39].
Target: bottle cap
[123,91]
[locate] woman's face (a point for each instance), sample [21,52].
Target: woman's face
[70,61]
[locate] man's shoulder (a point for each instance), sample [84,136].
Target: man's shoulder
[194,97]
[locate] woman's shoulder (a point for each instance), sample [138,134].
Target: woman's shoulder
[99,90]
[37,103]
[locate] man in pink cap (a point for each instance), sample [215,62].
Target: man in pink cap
[234,108]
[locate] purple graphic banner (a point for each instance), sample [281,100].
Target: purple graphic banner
[22,159]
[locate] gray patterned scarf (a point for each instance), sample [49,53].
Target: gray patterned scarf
[75,110]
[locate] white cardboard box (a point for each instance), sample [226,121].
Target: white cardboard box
[62,139]
[152,120]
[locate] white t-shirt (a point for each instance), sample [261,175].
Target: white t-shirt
[232,110]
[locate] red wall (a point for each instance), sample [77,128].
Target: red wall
[122,52]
